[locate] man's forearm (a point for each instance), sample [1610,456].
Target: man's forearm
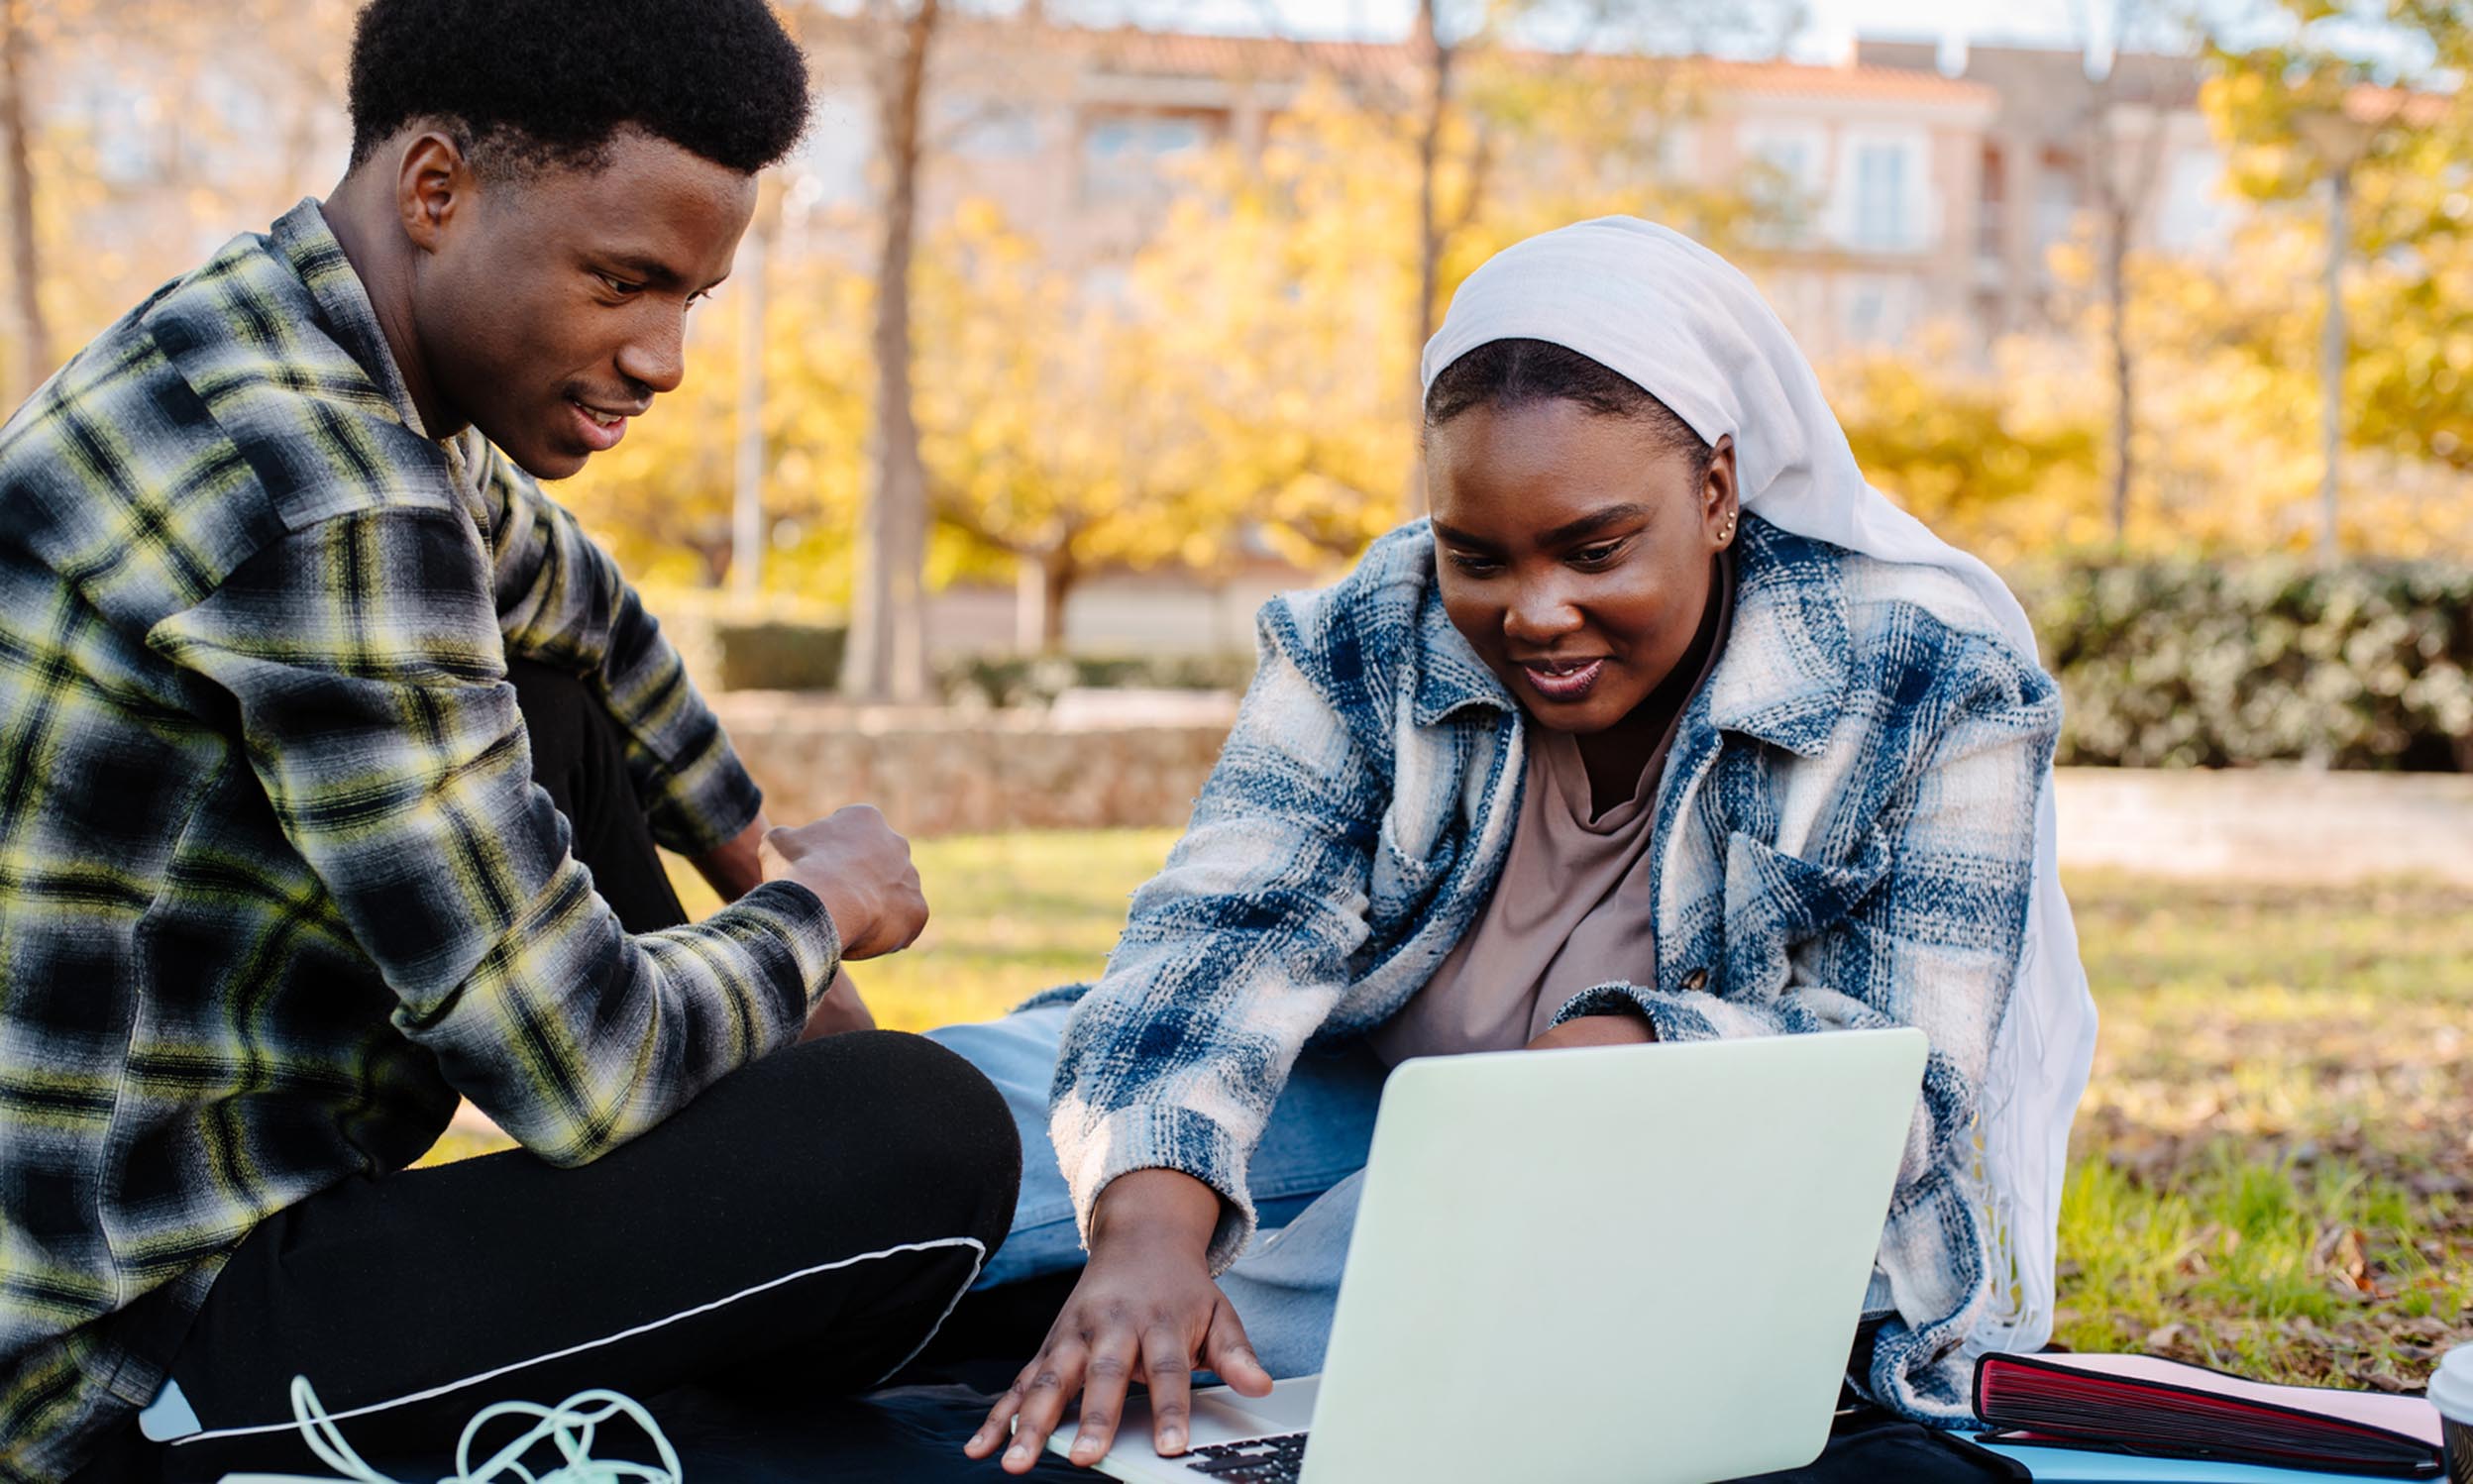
[735,868]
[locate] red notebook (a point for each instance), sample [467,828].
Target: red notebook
[2138,1404]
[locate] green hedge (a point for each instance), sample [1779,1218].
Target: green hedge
[1015,680]
[779,656]
[2196,665]
[807,657]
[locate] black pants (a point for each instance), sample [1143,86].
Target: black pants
[802,1228]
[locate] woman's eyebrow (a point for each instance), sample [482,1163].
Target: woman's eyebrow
[1589,525]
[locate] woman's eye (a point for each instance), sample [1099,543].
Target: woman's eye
[1597,555]
[616,285]
[1474,566]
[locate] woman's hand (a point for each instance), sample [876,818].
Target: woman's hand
[1596,1030]
[1146,1306]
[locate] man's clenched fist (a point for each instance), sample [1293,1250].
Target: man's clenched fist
[861,870]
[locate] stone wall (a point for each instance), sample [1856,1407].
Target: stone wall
[2279,824]
[1114,761]
[938,771]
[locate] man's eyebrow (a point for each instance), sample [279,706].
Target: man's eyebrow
[652,271]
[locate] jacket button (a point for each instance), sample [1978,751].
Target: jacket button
[1697,978]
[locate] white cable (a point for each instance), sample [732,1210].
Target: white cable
[569,1427]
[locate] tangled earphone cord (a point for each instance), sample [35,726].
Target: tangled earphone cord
[569,1427]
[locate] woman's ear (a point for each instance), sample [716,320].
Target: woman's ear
[1720,507]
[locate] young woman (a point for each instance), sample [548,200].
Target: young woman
[1666,727]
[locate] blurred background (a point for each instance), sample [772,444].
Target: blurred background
[1074,330]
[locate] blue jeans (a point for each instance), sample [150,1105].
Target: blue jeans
[1304,1178]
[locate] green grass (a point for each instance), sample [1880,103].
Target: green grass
[2272,1171]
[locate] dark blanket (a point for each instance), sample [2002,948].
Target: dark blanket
[913,1434]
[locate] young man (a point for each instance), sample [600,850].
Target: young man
[332,756]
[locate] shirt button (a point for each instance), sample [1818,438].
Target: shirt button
[1697,978]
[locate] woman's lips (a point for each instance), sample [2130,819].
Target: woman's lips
[1563,680]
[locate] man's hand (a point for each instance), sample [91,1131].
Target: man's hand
[861,870]
[736,867]
[1145,1309]
[1596,1030]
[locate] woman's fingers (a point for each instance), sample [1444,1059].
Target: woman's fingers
[1168,1366]
[1001,1416]
[1054,1379]
[1225,1349]
[1109,1371]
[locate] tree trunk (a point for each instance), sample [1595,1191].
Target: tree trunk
[1044,582]
[2331,357]
[1434,55]
[33,345]
[748,464]
[2124,400]
[888,652]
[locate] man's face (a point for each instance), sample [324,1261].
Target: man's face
[553,305]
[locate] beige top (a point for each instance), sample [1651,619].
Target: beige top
[1574,906]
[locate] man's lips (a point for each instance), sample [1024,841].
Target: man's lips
[601,427]
[1562,679]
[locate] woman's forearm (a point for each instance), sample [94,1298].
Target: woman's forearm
[1155,1208]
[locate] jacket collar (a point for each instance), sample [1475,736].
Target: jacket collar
[303,240]
[1781,679]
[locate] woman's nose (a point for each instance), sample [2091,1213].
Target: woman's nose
[1539,613]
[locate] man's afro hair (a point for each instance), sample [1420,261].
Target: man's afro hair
[532,83]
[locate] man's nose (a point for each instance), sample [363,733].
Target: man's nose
[657,356]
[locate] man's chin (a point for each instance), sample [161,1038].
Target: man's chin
[548,463]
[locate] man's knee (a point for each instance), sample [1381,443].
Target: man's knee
[942,1127]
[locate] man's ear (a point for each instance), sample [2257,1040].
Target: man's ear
[432,181]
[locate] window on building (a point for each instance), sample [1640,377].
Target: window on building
[1881,196]
[2055,200]
[1126,157]
[1881,204]
[989,129]
[1785,178]
[2192,216]
[1875,309]
[1991,217]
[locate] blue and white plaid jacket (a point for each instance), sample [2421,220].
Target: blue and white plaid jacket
[1844,837]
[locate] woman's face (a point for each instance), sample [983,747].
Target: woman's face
[1574,553]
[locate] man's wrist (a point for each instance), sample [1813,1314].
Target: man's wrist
[736,867]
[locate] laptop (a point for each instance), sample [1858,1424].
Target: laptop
[1641,1264]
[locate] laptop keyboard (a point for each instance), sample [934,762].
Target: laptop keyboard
[1256,1461]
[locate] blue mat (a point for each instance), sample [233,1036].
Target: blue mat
[2073,1465]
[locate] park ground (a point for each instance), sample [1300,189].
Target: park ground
[2272,1172]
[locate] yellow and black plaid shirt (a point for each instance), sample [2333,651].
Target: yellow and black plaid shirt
[275,882]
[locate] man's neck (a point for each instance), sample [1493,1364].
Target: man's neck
[361,214]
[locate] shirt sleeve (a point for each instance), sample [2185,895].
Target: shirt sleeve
[1233,956]
[365,674]
[562,601]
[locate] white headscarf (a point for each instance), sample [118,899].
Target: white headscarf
[1690,329]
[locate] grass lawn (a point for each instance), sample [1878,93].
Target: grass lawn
[2272,1172]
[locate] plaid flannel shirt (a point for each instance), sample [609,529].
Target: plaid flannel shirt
[275,884]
